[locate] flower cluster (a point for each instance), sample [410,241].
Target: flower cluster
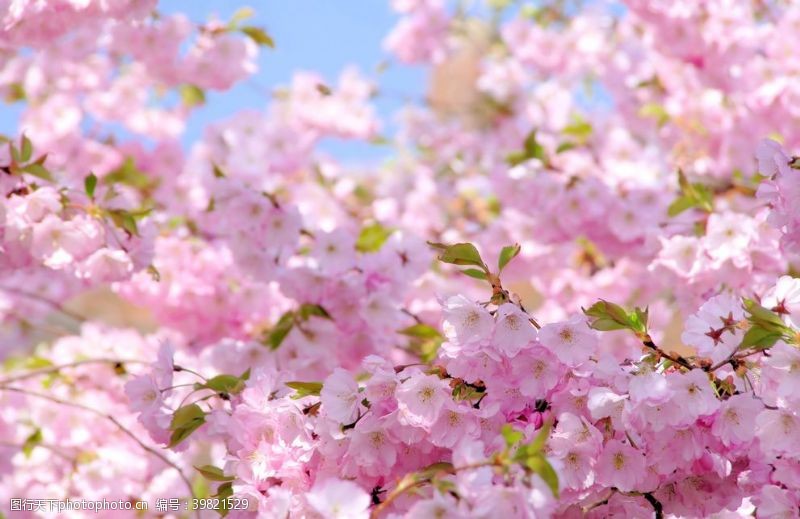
[251,317]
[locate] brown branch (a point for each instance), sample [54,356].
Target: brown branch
[733,358]
[676,359]
[588,508]
[655,503]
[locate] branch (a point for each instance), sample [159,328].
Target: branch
[655,503]
[52,304]
[113,420]
[677,359]
[55,369]
[732,358]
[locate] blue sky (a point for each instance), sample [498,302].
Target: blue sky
[319,35]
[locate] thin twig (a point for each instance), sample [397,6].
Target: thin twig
[113,420]
[54,369]
[733,357]
[52,304]
[648,342]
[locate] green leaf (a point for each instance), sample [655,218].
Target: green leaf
[475,273]
[540,465]
[258,35]
[14,152]
[185,421]
[124,220]
[185,415]
[680,205]
[541,438]
[759,337]
[89,185]
[225,384]
[655,111]
[16,92]
[372,238]
[241,14]
[462,254]
[508,253]
[37,170]
[218,173]
[224,491]
[580,129]
[34,439]
[307,310]
[127,173]
[192,95]
[280,330]
[305,388]
[692,195]
[180,434]
[511,435]
[420,330]
[531,149]
[763,316]
[607,316]
[566,146]
[37,362]
[26,151]
[212,473]
[516,158]
[607,325]
[425,341]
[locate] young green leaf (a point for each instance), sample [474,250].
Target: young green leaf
[475,273]
[212,473]
[185,415]
[225,384]
[539,465]
[218,173]
[421,330]
[372,238]
[305,388]
[258,35]
[26,149]
[531,150]
[607,316]
[307,310]
[34,439]
[192,95]
[124,220]
[89,185]
[512,436]
[281,329]
[185,421]
[38,170]
[461,254]
[507,253]
[759,338]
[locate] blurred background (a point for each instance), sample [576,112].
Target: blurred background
[319,35]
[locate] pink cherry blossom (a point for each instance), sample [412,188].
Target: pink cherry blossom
[336,499]
[571,341]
